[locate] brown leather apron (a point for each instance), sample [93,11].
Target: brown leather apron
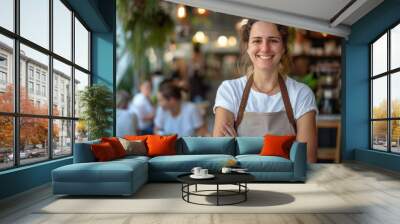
[259,123]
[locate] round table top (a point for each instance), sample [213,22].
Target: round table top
[220,178]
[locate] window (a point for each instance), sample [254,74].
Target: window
[7,14]
[30,87]
[38,89]
[30,72]
[37,74]
[62,75]
[7,74]
[3,78]
[62,31]
[54,125]
[3,72]
[34,21]
[385,95]
[43,90]
[81,45]
[3,61]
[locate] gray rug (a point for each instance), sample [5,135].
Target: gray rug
[166,198]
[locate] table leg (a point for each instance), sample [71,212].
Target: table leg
[196,188]
[217,194]
[245,191]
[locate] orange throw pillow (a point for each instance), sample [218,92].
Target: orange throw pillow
[277,145]
[161,145]
[116,145]
[103,152]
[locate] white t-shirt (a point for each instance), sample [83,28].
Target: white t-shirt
[126,123]
[141,106]
[185,124]
[230,93]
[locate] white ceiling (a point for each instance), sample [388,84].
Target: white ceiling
[316,15]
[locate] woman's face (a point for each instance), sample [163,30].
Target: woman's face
[265,47]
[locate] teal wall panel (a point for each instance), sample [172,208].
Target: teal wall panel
[379,159]
[24,178]
[356,85]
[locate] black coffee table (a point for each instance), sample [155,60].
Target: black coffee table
[238,179]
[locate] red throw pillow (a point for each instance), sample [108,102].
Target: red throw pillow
[277,145]
[116,145]
[161,145]
[103,152]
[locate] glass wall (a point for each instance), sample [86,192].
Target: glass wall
[39,83]
[385,95]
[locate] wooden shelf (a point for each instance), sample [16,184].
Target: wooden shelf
[330,153]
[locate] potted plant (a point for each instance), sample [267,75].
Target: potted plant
[96,102]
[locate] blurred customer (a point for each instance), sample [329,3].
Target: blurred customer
[175,116]
[197,86]
[142,107]
[127,122]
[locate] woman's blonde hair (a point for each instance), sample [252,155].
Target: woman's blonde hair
[245,66]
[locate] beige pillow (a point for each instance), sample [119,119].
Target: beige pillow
[137,147]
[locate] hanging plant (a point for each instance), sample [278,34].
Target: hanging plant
[146,25]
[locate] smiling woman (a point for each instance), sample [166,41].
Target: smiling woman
[265,100]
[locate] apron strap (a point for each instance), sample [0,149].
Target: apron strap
[243,101]
[286,102]
[285,97]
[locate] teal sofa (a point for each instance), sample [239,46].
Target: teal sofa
[125,176]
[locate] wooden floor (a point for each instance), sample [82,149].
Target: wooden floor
[378,189]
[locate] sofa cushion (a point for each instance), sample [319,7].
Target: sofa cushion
[134,147]
[116,145]
[103,152]
[249,145]
[161,145]
[112,171]
[257,163]
[206,145]
[277,145]
[185,163]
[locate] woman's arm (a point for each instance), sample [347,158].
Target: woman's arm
[307,132]
[223,124]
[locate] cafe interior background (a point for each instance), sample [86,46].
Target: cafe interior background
[161,40]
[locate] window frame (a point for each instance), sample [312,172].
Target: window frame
[16,115]
[388,74]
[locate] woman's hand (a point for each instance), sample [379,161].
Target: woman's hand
[223,124]
[229,130]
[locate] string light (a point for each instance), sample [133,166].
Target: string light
[222,41]
[200,37]
[232,41]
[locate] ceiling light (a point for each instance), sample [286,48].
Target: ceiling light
[243,22]
[181,12]
[201,11]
